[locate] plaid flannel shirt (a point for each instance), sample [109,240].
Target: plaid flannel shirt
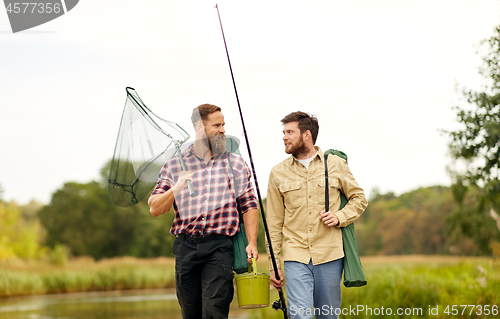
[213,209]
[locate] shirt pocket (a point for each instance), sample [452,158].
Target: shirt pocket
[333,189]
[292,195]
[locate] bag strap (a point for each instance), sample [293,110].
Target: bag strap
[235,187]
[327,189]
[343,198]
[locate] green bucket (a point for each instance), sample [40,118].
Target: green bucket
[252,288]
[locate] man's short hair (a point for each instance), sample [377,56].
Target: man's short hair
[305,121]
[201,112]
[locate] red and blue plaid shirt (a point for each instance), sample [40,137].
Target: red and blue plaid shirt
[213,209]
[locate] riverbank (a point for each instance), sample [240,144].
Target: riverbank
[18,278]
[406,282]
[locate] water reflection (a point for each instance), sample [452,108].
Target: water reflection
[125,304]
[132,304]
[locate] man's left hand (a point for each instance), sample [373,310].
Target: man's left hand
[329,218]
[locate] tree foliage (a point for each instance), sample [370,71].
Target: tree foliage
[19,237]
[412,223]
[477,144]
[82,217]
[425,221]
[477,141]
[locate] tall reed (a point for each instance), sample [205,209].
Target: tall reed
[85,274]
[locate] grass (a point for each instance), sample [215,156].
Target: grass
[406,282]
[424,282]
[417,284]
[84,274]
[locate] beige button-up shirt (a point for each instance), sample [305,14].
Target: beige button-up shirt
[296,196]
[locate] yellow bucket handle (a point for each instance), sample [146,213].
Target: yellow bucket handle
[254,264]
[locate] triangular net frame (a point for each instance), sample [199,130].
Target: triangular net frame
[144,143]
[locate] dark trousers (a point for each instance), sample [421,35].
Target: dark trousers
[204,277]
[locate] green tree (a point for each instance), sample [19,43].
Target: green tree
[412,223]
[82,217]
[152,234]
[477,141]
[477,144]
[19,237]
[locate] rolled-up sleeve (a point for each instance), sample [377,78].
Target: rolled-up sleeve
[164,182]
[247,193]
[355,195]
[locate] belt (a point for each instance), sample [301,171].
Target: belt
[200,239]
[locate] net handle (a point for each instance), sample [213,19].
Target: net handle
[190,185]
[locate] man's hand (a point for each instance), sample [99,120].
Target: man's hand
[161,203]
[252,252]
[277,283]
[182,181]
[329,218]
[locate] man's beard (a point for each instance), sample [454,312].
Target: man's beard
[216,143]
[295,150]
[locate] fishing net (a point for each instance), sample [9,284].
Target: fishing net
[144,143]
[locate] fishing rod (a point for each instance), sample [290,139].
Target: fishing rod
[281,303]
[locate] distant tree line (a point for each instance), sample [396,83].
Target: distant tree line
[426,221]
[82,219]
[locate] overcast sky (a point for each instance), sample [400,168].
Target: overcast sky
[379,75]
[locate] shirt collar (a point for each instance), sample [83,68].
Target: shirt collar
[319,154]
[190,152]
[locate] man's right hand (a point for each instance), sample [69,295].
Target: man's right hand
[182,181]
[277,283]
[161,203]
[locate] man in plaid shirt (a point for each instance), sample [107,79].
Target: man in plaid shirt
[203,224]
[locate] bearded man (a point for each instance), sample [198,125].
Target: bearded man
[310,238]
[205,223]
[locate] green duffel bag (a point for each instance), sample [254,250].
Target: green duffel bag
[353,271]
[240,243]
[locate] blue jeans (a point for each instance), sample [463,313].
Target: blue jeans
[313,290]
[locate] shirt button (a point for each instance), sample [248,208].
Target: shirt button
[310,229]
[311,246]
[309,196]
[310,213]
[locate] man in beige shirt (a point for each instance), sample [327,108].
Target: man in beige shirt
[310,238]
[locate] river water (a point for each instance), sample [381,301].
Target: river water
[131,304]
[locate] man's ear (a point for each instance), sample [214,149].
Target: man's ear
[199,126]
[307,135]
